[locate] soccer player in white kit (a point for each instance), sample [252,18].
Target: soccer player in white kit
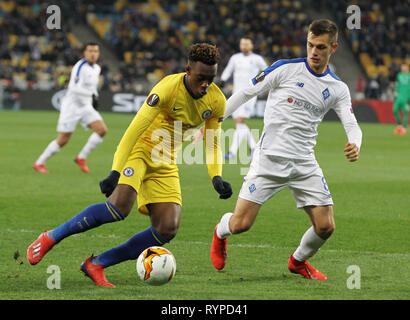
[301,91]
[242,66]
[78,105]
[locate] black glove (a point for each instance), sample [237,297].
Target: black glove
[95,102]
[108,184]
[221,84]
[222,187]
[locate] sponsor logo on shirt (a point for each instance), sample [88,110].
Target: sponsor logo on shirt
[311,108]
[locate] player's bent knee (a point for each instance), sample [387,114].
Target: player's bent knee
[165,218]
[102,132]
[168,232]
[63,139]
[325,231]
[123,198]
[122,205]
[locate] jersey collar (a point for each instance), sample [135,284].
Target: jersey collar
[314,73]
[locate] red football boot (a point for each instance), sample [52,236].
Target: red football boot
[41,168]
[398,129]
[219,251]
[38,249]
[82,164]
[305,269]
[95,273]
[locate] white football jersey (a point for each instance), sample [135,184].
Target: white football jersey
[297,102]
[83,82]
[243,67]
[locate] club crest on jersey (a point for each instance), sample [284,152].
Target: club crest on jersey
[206,114]
[128,172]
[153,100]
[300,84]
[325,94]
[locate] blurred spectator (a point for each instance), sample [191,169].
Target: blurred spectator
[151,37]
[360,87]
[383,39]
[373,89]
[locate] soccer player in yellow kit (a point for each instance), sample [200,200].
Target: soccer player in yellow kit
[144,167]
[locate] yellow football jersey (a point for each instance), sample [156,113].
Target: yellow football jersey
[160,125]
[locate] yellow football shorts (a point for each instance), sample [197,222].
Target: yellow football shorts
[153,182]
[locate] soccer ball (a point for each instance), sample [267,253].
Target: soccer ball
[156,266]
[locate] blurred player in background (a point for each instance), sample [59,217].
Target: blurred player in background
[301,91]
[177,103]
[243,66]
[79,105]
[402,99]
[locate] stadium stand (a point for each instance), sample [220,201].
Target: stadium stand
[382,43]
[150,38]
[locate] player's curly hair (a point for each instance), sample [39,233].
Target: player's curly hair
[203,52]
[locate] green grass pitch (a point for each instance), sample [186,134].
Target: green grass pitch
[372,214]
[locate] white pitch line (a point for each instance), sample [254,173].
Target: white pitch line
[239,245]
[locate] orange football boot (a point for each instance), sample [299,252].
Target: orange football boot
[305,269]
[398,129]
[82,164]
[95,273]
[38,249]
[41,168]
[219,251]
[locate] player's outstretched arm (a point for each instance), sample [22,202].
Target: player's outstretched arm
[145,116]
[139,124]
[214,157]
[257,86]
[344,110]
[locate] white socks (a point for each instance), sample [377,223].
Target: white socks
[93,141]
[51,149]
[222,231]
[242,132]
[309,245]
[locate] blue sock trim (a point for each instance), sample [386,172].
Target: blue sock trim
[131,249]
[114,211]
[161,240]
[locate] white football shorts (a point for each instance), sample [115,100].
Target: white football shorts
[245,110]
[270,174]
[71,113]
